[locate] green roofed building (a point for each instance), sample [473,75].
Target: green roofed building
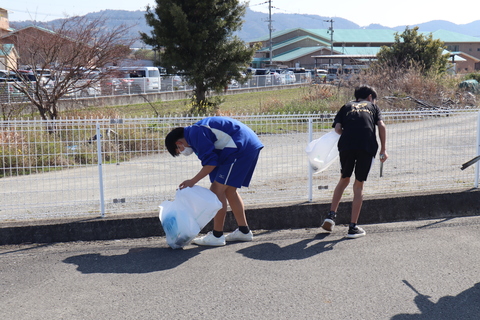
[313,48]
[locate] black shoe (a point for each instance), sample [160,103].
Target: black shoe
[356,232]
[329,223]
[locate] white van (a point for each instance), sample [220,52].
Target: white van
[140,79]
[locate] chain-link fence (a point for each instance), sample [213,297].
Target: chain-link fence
[111,166]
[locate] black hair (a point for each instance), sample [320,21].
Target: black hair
[172,137]
[362,92]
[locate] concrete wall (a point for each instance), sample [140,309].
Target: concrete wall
[292,216]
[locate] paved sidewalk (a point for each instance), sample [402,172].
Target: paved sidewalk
[417,270]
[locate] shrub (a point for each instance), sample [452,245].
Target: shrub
[473,76]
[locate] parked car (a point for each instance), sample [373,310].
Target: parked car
[88,85]
[8,76]
[172,82]
[301,75]
[112,87]
[282,76]
[262,77]
[276,78]
[233,84]
[141,79]
[8,90]
[289,77]
[27,75]
[89,88]
[320,76]
[10,84]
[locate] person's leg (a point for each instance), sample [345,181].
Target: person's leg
[347,164]
[226,179]
[355,231]
[338,192]
[361,172]
[357,200]
[219,219]
[329,222]
[236,204]
[243,232]
[216,237]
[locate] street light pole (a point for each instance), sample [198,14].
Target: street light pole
[270,27]
[331,31]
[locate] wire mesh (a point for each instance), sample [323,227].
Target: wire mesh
[50,169]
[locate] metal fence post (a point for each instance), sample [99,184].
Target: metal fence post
[100,170]
[477,165]
[310,170]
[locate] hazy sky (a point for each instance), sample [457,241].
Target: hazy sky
[365,12]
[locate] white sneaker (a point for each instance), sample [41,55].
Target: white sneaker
[238,235]
[210,240]
[356,232]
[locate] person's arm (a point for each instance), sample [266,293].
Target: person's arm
[338,128]
[382,133]
[199,176]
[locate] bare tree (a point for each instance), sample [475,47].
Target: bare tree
[61,59]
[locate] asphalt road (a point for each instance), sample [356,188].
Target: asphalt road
[415,270]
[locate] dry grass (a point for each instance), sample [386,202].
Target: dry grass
[399,90]
[395,90]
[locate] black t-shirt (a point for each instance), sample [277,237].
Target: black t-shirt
[358,119]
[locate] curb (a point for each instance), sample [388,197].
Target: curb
[286,216]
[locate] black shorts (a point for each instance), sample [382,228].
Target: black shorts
[359,160]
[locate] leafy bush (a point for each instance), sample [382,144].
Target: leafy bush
[473,76]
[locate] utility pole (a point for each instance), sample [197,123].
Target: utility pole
[270,28]
[331,31]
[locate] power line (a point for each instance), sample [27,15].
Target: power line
[289,12]
[34,13]
[258,4]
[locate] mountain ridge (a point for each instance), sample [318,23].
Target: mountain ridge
[256,26]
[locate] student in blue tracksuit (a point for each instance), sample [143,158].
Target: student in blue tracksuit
[228,151]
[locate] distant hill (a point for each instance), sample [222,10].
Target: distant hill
[256,25]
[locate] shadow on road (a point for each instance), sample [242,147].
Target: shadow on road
[138,260]
[466,305]
[296,251]
[433,224]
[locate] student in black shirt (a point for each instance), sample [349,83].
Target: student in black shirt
[356,122]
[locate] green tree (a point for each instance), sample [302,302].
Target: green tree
[195,37]
[411,50]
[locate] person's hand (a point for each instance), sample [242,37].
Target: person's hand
[186,183]
[383,156]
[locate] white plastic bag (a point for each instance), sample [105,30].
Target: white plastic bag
[183,218]
[322,152]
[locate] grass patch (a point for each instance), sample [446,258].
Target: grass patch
[308,99]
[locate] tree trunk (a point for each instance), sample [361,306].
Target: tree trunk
[200,94]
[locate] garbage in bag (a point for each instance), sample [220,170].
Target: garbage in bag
[183,218]
[322,152]
[179,226]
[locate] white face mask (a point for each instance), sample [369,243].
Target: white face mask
[187,151]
